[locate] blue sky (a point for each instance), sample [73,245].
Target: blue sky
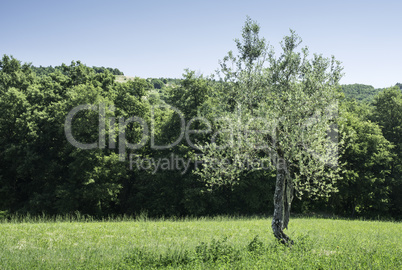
[162,38]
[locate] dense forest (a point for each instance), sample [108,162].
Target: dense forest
[43,172]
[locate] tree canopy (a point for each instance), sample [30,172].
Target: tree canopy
[280,110]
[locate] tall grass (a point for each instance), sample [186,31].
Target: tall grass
[81,242]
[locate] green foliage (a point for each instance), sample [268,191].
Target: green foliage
[114,71]
[157,83]
[290,98]
[252,46]
[388,114]
[360,92]
[191,95]
[45,71]
[43,172]
[366,164]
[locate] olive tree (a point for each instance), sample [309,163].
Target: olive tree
[276,113]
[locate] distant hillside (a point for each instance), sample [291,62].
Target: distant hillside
[360,92]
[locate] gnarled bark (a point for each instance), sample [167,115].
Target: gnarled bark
[282,200]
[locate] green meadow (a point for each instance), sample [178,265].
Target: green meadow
[203,243]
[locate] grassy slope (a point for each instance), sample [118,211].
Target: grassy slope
[320,243]
[122,78]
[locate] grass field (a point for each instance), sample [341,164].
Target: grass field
[218,243]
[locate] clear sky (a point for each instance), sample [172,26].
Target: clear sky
[162,38]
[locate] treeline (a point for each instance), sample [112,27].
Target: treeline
[159,83]
[44,71]
[42,171]
[360,92]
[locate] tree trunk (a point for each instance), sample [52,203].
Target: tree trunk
[282,201]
